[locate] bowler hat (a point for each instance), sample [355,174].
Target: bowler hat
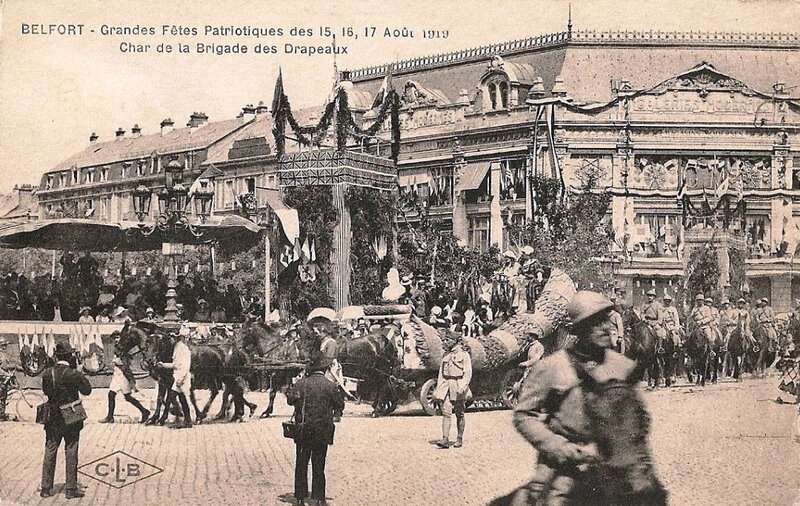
[63,350]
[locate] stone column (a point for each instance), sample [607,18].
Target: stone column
[340,254]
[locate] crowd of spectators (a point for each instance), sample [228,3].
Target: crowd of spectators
[81,291]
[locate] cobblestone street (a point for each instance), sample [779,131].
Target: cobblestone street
[724,444]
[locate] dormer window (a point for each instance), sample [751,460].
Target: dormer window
[89,178]
[124,172]
[49,183]
[496,92]
[62,180]
[74,176]
[140,169]
[104,174]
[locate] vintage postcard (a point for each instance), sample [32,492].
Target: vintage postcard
[400,253]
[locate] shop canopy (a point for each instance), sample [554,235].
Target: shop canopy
[93,235]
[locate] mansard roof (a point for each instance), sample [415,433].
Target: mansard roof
[588,61]
[131,148]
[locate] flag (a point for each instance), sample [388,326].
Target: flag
[313,255]
[722,189]
[306,251]
[383,91]
[298,250]
[286,256]
[681,190]
[277,95]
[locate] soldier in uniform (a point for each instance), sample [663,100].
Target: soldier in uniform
[551,412]
[452,391]
[618,340]
[703,317]
[745,319]
[672,320]
[728,320]
[652,312]
[715,313]
[766,319]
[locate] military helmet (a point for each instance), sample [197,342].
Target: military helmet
[741,301]
[726,301]
[585,304]
[652,292]
[709,300]
[667,297]
[699,296]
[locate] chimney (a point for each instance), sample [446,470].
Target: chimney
[93,138]
[120,133]
[261,109]
[166,126]
[136,130]
[196,119]
[248,112]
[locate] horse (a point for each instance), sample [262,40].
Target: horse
[702,355]
[738,345]
[793,333]
[763,355]
[373,358]
[653,355]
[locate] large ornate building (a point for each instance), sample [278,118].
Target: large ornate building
[665,122]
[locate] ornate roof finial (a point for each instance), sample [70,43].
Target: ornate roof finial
[569,22]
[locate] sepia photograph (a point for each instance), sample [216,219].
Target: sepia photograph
[485,252]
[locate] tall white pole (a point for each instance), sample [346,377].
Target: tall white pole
[267,267]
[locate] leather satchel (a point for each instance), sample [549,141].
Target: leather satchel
[292,429]
[43,413]
[73,412]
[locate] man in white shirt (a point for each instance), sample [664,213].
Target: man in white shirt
[181,366]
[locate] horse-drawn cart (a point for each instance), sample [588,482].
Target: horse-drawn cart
[495,357]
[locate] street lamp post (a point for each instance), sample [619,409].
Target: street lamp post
[172,218]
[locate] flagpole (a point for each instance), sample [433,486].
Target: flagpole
[267,268]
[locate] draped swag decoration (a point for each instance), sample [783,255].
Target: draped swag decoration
[346,126]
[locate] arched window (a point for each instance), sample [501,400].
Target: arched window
[496,92]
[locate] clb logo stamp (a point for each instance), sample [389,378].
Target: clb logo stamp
[119,469]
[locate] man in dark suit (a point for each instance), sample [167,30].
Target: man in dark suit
[316,400]
[61,384]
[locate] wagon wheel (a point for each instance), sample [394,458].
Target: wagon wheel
[512,383]
[386,407]
[426,396]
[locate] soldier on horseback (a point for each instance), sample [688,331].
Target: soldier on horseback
[652,314]
[703,317]
[672,320]
[765,318]
[745,320]
[728,320]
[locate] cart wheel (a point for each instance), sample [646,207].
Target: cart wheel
[426,396]
[386,408]
[511,386]
[27,402]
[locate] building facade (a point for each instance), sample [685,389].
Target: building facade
[663,121]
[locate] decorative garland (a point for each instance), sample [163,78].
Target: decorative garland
[702,274]
[369,209]
[345,125]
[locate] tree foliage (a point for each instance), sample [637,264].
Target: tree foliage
[371,219]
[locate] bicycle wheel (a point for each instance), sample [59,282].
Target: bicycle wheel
[26,403]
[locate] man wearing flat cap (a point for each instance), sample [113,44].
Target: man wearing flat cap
[62,385]
[316,402]
[552,414]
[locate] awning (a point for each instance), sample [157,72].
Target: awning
[404,180]
[290,222]
[66,234]
[472,176]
